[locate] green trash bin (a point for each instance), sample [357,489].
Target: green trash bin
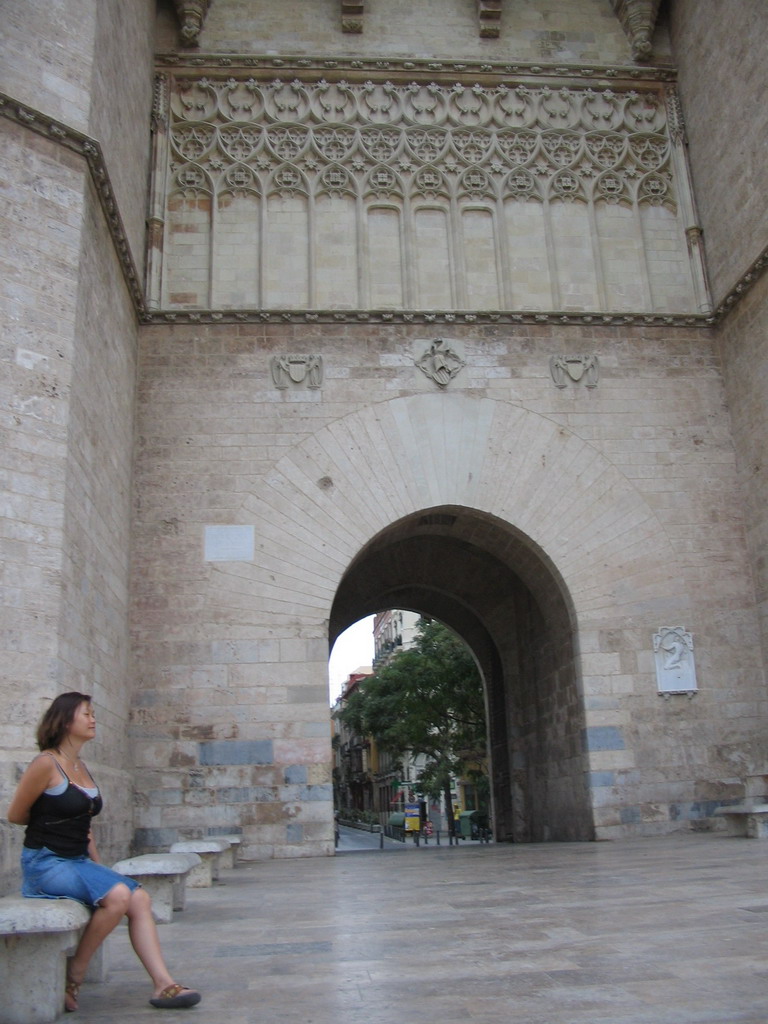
[465,823]
[397,818]
[472,825]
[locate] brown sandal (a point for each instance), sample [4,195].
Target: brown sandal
[176,997]
[71,990]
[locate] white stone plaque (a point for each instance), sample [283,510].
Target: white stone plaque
[675,668]
[229,544]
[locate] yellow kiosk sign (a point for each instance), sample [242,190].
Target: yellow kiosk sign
[412,818]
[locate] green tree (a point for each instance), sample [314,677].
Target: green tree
[429,700]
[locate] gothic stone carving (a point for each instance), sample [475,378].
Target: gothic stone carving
[352,12]
[287,370]
[489,18]
[574,368]
[420,139]
[440,363]
[50,128]
[401,148]
[675,668]
[191,15]
[638,19]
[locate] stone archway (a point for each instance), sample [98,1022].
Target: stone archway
[585,569]
[490,584]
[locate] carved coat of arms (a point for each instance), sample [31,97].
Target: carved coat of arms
[287,370]
[440,363]
[575,368]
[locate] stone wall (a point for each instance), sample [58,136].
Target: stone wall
[48,53]
[39,298]
[579,31]
[608,473]
[120,110]
[742,344]
[717,56]
[721,68]
[67,459]
[70,356]
[629,488]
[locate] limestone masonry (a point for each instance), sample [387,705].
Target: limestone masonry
[315,309]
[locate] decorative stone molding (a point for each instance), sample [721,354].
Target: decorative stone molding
[419,317]
[489,18]
[745,282]
[90,150]
[287,370]
[191,15]
[575,369]
[440,362]
[638,19]
[675,119]
[159,120]
[366,66]
[352,12]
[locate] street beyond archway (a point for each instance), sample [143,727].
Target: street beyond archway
[667,930]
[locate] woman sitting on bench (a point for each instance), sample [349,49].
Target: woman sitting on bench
[56,799]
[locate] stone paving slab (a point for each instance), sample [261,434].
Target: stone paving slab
[671,930]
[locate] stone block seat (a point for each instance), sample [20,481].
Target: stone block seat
[37,937]
[209,850]
[749,820]
[164,876]
[229,857]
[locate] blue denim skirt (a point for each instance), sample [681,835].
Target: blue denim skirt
[47,876]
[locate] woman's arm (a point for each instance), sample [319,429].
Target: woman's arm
[35,779]
[93,853]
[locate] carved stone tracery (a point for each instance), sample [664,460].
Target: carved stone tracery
[48,127]
[507,134]
[467,151]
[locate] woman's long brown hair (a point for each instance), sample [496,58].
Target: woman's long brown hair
[57,719]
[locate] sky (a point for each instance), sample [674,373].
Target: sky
[353,649]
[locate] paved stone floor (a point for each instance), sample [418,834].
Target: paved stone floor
[649,931]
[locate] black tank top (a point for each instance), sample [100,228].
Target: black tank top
[62,822]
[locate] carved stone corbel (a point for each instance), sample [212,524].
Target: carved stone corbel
[489,18]
[352,15]
[638,19]
[191,15]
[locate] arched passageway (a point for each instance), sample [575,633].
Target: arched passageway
[498,591]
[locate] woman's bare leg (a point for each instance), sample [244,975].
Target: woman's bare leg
[146,941]
[142,931]
[104,920]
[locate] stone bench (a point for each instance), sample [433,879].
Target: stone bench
[748,820]
[164,876]
[229,857]
[180,887]
[37,937]
[209,851]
